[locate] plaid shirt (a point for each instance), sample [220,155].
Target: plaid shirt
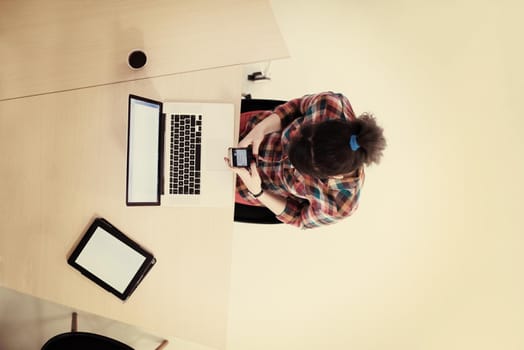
[310,202]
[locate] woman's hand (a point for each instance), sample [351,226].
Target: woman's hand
[249,177]
[256,135]
[252,180]
[254,139]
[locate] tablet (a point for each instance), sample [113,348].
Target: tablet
[111,259]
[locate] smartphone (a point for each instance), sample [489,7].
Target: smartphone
[241,157]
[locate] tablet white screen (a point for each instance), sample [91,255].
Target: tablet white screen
[109,259]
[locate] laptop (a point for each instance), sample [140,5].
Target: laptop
[175,153]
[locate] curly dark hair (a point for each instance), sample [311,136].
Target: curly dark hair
[323,150]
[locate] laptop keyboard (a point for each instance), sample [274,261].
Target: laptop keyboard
[186,135]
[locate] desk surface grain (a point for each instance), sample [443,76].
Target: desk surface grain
[63,162]
[57,45]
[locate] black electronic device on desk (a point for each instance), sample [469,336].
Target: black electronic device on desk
[111,259]
[241,157]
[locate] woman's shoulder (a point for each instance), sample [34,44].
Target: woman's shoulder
[349,181]
[327,97]
[330,105]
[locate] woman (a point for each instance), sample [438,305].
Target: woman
[310,153]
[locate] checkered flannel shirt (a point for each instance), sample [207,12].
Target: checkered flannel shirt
[310,202]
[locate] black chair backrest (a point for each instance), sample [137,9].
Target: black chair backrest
[253,104]
[254,215]
[247,213]
[83,341]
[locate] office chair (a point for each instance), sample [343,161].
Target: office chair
[248,213]
[86,341]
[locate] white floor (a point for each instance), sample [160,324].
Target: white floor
[432,259]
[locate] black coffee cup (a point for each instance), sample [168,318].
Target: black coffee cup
[137,59]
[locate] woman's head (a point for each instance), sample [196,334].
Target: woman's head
[337,147]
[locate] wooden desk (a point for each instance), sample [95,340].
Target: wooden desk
[63,162]
[56,45]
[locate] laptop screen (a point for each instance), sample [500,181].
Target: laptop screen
[143,159]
